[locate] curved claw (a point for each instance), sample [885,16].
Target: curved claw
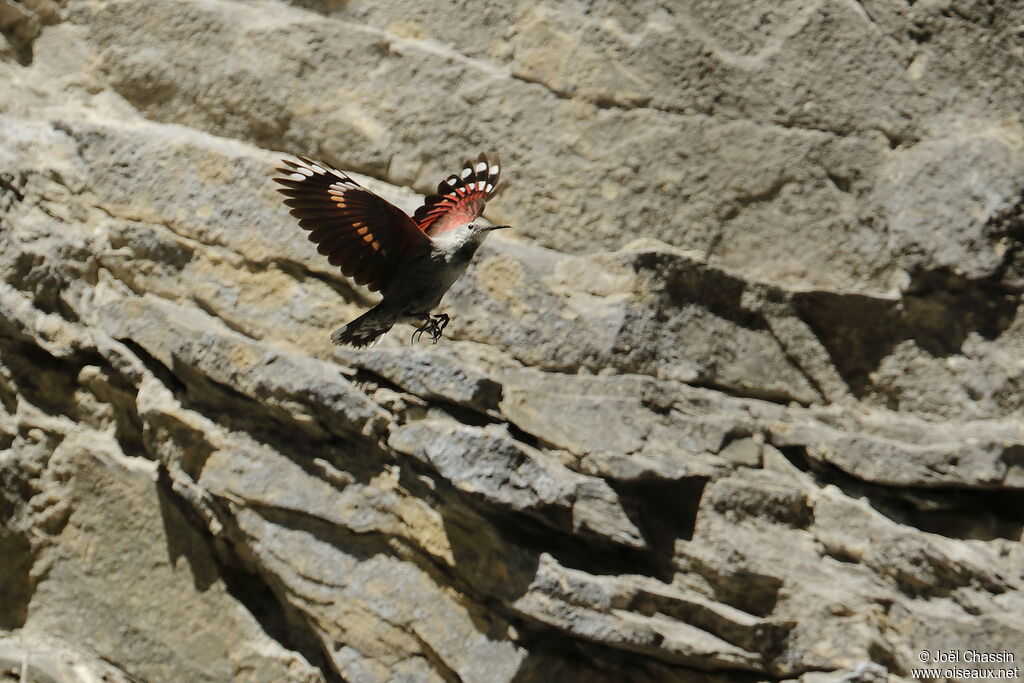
[432,324]
[429,325]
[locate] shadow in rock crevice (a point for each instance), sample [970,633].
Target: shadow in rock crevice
[681,282]
[16,583]
[543,529]
[960,513]
[497,558]
[664,511]
[485,612]
[938,311]
[749,591]
[361,457]
[554,656]
[213,562]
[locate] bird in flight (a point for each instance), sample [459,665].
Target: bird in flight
[411,261]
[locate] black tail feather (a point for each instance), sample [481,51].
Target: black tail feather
[361,332]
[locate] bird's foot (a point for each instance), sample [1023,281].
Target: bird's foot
[420,330]
[441,321]
[433,325]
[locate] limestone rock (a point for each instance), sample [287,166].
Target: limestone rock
[739,398]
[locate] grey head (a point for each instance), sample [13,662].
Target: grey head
[465,240]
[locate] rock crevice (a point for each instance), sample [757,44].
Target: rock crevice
[739,402]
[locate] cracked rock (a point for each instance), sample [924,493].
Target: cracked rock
[738,399]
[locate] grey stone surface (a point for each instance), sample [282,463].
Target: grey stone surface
[739,398]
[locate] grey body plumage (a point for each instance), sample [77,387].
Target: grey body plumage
[418,290]
[412,261]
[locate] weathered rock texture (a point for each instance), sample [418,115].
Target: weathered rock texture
[738,400]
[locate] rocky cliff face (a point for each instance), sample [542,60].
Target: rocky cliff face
[738,400]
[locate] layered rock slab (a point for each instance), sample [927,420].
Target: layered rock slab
[633,461]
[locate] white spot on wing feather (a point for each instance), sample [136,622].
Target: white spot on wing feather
[494,169]
[482,166]
[298,176]
[466,172]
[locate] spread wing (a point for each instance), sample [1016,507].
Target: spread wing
[358,231]
[460,198]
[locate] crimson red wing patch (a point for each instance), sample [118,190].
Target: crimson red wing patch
[358,231]
[460,199]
